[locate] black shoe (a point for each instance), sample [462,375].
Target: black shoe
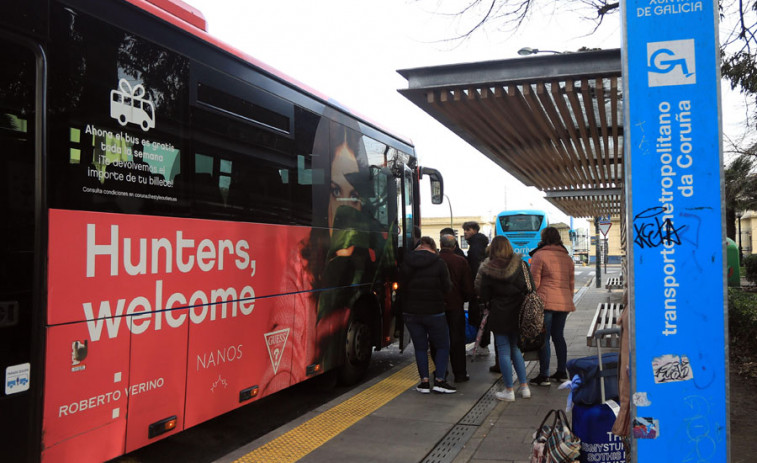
[462,378]
[540,381]
[559,376]
[423,388]
[494,369]
[442,387]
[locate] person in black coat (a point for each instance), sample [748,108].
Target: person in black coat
[424,282]
[477,243]
[501,281]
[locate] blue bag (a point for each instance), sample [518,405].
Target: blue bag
[587,368]
[593,425]
[470,330]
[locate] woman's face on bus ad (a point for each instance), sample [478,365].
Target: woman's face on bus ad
[343,193]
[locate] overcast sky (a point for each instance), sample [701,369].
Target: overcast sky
[350,51]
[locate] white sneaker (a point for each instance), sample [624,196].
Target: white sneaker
[507,396]
[525,392]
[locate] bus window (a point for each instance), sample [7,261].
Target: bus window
[116,121]
[244,185]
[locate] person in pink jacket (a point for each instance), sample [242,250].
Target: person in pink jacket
[554,278]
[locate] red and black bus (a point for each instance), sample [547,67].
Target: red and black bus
[184,229]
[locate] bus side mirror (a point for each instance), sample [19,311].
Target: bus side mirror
[437,184]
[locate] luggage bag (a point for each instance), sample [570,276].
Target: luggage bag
[593,414]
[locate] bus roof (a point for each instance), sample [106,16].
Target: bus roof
[191,20]
[523,212]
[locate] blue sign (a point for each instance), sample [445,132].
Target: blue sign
[675,203]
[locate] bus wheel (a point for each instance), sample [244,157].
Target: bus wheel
[145,126]
[358,350]
[122,119]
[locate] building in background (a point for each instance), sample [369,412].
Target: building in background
[745,238]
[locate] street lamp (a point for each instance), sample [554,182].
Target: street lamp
[449,203]
[739,214]
[525,51]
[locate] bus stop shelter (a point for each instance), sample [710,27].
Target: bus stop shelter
[555,122]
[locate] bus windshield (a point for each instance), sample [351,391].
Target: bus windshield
[523,229]
[513,223]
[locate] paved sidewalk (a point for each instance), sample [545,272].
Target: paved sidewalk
[507,434]
[468,426]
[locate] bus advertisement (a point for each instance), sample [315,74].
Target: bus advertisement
[523,229]
[206,235]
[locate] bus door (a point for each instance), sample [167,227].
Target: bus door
[21,115]
[406,241]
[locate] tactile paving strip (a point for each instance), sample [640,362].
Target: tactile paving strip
[310,435]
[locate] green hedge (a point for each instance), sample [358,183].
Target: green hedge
[750,266]
[742,322]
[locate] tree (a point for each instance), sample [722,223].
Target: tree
[740,188]
[738,29]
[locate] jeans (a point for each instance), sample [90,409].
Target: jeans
[424,328]
[507,351]
[555,325]
[456,325]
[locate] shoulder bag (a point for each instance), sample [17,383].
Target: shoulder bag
[532,333]
[555,443]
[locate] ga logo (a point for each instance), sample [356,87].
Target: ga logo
[671,63]
[276,341]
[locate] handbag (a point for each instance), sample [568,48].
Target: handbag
[555,443]
[532,334]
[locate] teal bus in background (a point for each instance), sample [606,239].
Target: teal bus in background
[523,229]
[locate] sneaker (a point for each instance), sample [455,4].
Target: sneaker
[540,381]
[559,376]
[525,392]
[442,387]
[423,388]
[507,396]
[494,369]
[462,378]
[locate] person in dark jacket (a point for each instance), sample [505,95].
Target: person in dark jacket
[424,282]
[477,243]
[501,281]
[462,290]
[450,231]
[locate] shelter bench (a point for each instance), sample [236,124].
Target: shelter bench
[614,283]
[607,316]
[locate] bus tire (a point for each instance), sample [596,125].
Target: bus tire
[358,350]
[122,119]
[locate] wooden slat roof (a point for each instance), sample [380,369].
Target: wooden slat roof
[554,122]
